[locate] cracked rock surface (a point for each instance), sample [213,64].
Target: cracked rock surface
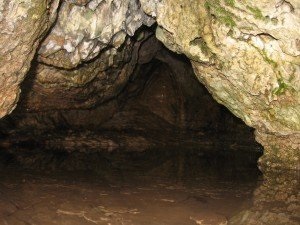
[247,54]
[22,25]
[83,87]
[86,28]
[275,201]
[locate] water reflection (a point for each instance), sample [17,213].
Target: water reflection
[167,187]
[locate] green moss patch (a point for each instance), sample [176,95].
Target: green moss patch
[37,10]
[89,14]
[268,60]
[221,13]
[256,12]
[229,2]
[282,87]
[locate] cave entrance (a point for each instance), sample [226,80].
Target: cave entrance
[146,147]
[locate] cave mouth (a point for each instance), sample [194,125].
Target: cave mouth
[160,139]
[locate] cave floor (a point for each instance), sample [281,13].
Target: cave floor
[66,199]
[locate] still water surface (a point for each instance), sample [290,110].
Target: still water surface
[174,188]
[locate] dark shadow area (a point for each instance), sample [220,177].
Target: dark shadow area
[162,106]
[142,142]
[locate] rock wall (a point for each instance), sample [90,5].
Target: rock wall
[247,54]
[85,29]
[22,26]
[275,201]
[145,82]
[91,84]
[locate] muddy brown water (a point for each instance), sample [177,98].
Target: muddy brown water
[87,199]
[148,189]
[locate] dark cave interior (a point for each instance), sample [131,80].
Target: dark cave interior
[157,129]
[113,112]
[162,106]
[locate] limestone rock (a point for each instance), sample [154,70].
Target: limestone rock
[246,53]
[22,24]
[86,28]
[84,87]
[276,201]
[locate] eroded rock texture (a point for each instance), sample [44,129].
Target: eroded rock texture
[84,87]
[86,28]
[275,201]
[147,98]
[22,25]
[247,55]
[83,30]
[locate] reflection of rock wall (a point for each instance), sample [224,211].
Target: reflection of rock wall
[247,54]
[276,201]
[22,25]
